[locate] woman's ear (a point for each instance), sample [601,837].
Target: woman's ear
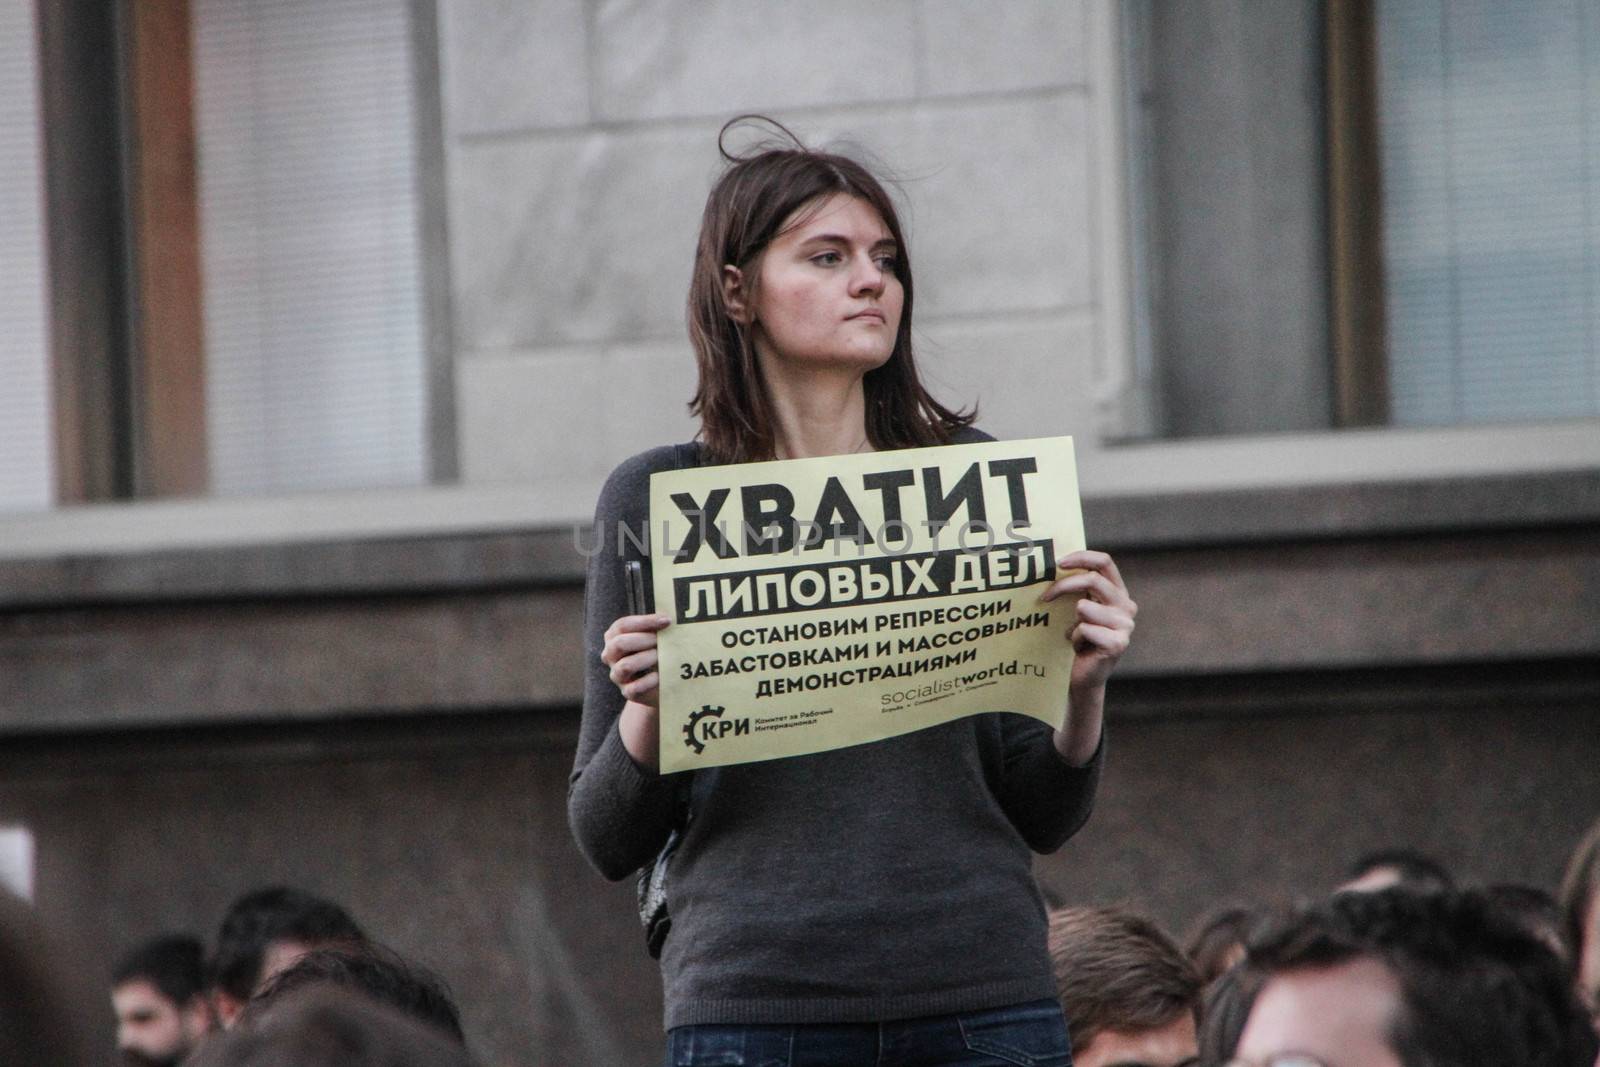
[736,295]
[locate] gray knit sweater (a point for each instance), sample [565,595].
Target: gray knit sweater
[884,881]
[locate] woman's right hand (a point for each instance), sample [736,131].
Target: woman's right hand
[630,652]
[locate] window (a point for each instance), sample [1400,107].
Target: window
[1362,212]
[1489,121]
[239,299]
[27,462]
[315,371]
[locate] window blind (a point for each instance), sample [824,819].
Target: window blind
[27,471]
[1490,131]
[315,357]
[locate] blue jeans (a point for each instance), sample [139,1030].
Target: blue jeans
[1022,1035]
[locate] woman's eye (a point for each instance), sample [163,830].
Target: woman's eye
[888,264]
[826,259]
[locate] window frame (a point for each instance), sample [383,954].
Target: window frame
[126,331]
[1113,463]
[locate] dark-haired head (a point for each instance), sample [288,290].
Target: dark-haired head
[1226,1009]
[1470,985]
[1218,940]
[259,921]
[326,1026]
[374,972]
[158,995]
[1535,910]
[173,963]
[1402,867]
[763,192]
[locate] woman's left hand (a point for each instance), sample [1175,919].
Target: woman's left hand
[1104,624]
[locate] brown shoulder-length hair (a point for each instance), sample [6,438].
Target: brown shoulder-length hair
[749,205]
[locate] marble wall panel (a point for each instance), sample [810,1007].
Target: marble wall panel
[557,239]
[567,239]
[658,59]
[1029,378]
[571,414]
[997,196]
[512,65]
[531,416]
[647,395]
[976,46]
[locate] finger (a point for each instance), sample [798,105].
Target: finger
[626,645]
[1091,560]
[643,689]
[1096,585]
[637,623]
[1098,614]
[1116,592]
[627,668]
[1087,637]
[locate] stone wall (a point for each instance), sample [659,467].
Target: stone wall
[392,723]
[581,140]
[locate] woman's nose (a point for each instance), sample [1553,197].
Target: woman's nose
[867,277]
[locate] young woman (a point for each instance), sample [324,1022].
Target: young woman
[876,898]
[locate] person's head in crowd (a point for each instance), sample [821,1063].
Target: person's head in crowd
[1222,1017]
[266,931]
[1394,978]
[158,996]
[37,1020]
[1396,867]
[375,972]
[1131,997]
[1580,914]
[324,1026]
[1535,910]
[1218,940]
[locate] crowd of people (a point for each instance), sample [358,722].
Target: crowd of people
[291,979]
[1397,966]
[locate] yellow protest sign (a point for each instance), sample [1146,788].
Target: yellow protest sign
[828,602]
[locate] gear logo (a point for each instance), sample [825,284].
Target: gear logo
[698,730]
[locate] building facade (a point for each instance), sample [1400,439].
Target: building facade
[252,631]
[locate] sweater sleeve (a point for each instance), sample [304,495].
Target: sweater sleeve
[620,813]
[1047,799]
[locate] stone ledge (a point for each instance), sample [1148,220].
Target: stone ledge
[1551,500]
[287,660]
[369,567]
[532,559]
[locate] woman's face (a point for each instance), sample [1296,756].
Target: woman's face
[828,294]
